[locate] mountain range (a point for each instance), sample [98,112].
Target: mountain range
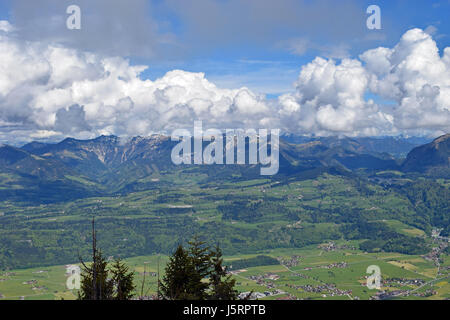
[434,154]
[74,168]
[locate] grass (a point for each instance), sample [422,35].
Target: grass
[323,193]
[312,268]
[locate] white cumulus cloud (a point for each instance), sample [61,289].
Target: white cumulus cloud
[413,75]
[50,91]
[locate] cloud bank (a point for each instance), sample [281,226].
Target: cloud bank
[49,91]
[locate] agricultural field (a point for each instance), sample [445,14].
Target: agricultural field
[331,270]
[369,224]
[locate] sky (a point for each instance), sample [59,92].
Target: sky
[139,67]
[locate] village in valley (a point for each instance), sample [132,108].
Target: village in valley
[331,270]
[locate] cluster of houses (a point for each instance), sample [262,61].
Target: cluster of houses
[9,274]
[443,243]
[395,282]
[329,266]
[289,262]
[327,288]
[301,275]
[259,295]
[332,246]
[295,225]
[444,270]
[39,288]
[435,253]
[263,277]
[266,280]
[382,295]
[34,285]
[426,293]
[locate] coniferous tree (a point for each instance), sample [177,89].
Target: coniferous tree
[221,283]
[98,284]
[200,257]
[122,280]
[95,284]
[197,273]
[177,281]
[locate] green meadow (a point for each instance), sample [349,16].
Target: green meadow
[314,269]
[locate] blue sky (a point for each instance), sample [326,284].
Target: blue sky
[245,62]
[257,56]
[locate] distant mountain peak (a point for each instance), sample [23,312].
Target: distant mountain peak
[441,139]
[433,154]
[106,138]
